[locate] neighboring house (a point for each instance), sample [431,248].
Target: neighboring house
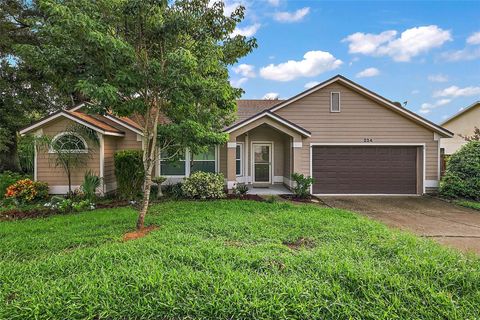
[462,123]
[351,140]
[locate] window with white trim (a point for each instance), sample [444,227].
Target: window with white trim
[172,166]
[238,160]
[335,102]
[68,142]
[205,162]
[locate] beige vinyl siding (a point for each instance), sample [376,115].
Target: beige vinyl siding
[110,147]
[46,170]
[463,125]
[360,118]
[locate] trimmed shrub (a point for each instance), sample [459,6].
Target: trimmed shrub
[7,178]
[302,185]
[204,185]
[462,176]
[174,190]
[129,173]
[26,190]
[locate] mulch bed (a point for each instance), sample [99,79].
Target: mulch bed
[137,234]
[253,197]
[292,197]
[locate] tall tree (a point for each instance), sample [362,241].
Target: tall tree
[25,92]
[149,59]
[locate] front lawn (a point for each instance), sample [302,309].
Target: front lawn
[230,260]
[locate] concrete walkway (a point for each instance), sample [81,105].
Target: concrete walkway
[429,217]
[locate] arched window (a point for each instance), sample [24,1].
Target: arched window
[69,142]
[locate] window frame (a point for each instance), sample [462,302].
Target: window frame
[241,145]
[68,133]
[185,167]
[339,102]
[191,160]
[188,159]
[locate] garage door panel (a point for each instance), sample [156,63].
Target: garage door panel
[364,170]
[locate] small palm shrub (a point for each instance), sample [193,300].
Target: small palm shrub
[240,190]
[462,176]
[204,185]
[302,185]
[91,183]
[129,172]
[26,190]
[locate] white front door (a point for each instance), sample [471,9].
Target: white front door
[262,162]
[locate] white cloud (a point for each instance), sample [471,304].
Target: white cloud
[410,43]
[296,16]
[368,43]
[247,31]
[462,55]
[428,107]
[245,70]
[273,3]
[369,72]
[271,96]
[238,83]
[313,63]
[474,38]
[437,78]
[455,91]
[311,84]
[415,91]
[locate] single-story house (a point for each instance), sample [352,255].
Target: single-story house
[348,138]
[461,124]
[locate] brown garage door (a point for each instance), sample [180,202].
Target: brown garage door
[364,170]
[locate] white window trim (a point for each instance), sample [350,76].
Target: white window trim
[331,102]
[188,159]
[187,168]
[241,145]
[61,134]
[216,152]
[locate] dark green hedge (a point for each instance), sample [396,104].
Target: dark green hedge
[129,172]
[462,177]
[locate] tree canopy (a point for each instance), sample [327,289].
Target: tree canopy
[161,62]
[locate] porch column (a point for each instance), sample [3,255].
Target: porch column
[297,155]
[231,160]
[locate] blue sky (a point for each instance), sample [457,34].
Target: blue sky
[426,53]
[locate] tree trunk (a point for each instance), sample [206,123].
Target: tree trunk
[145,201]
[69,175]
[150,143]
[9,158]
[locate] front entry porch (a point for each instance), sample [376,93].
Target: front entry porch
[263,155]
[275,189]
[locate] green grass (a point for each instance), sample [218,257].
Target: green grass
[468,203]
[227,260]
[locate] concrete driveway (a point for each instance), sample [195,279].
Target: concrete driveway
[426,216]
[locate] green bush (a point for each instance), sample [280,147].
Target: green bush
[302,185]
[26,153]
[7,178]
[462,176]
[129,173]
[240,190]
[174,190]
[204,185]
[26,191]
